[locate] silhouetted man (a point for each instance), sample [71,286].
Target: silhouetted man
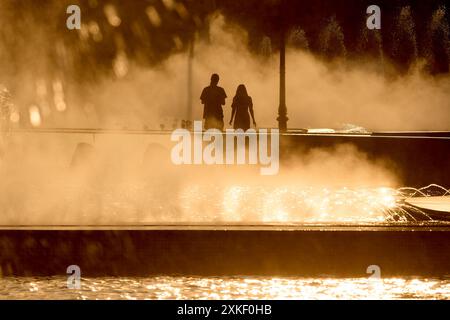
[213,98]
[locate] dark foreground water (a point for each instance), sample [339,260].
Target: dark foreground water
[225,288]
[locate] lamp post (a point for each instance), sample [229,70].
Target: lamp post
[190,77]
[205,7]
[282,109]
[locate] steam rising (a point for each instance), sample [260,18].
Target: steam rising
[119,184]
[317,95]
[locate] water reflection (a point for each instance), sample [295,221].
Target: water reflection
[226,288]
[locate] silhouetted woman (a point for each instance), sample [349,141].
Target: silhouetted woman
[242,105]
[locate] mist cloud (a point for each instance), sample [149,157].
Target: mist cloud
[318,94]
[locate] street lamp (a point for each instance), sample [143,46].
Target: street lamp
[282,109]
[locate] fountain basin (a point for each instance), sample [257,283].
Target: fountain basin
[275,250]
[437,208]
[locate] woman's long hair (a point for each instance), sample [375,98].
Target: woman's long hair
[241,92]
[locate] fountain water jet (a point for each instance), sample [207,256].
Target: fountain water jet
[297,39]
[438,43]
[404,48]
[331,40]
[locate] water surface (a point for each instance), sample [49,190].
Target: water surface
[225,288]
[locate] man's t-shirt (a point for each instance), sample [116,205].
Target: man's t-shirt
[213,97]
